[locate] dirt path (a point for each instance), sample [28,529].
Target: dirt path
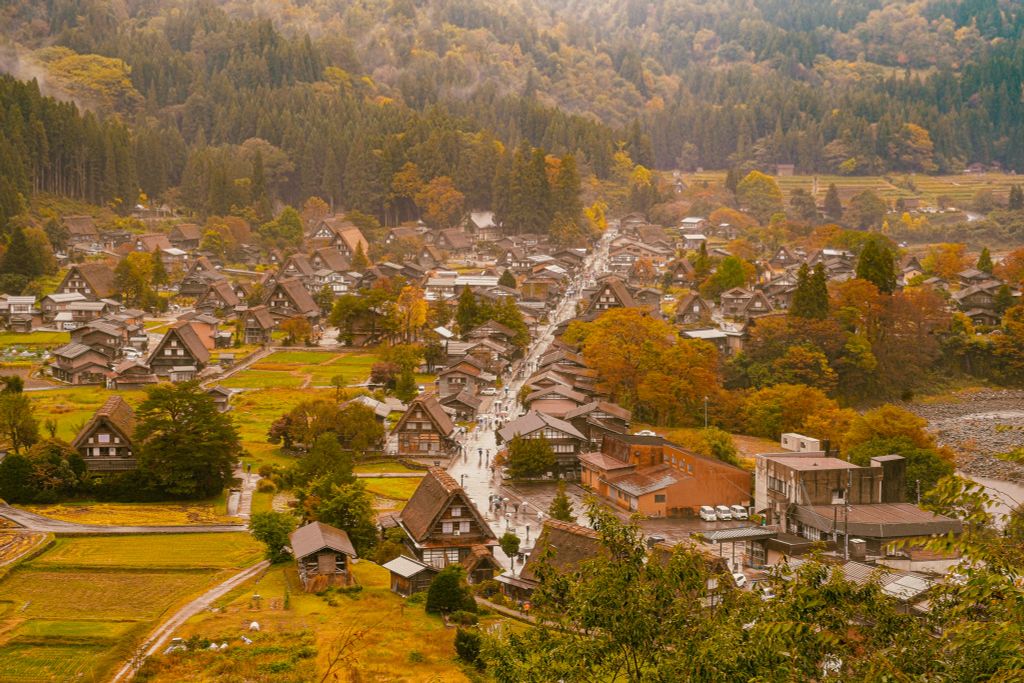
[162,633]
[253,357]
[34,522]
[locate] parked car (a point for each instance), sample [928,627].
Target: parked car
[738,512]
[488,391]
[740,578]
[645,432]
[723,512]
[707,513]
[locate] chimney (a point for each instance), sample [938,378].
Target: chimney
[894,474]
[858,549]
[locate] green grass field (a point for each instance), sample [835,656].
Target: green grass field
[385,466]
[215,551]
[396,489]
[46,339]
[396,628]
[80,608]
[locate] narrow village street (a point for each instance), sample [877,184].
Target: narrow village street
[522,511]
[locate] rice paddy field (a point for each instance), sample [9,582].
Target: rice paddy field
[77,610]
[298,631]
[959,188]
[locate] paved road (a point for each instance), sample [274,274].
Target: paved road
[472,469]
[34,522]
[162,633]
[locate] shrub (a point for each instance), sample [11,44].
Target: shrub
[266,486]
[487,588]
[449,592]
[467,646]
[416,657]
[464,618]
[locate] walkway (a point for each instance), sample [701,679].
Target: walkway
[162,633]
[34,522]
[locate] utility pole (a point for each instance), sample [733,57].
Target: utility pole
[846,519]
[918,484]
[705,412]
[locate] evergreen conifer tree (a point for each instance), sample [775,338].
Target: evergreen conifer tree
[985,261]
[833,205]
[877,265]
[561,508]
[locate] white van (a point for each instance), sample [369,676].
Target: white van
[723,513]
[739,512]
[707,513]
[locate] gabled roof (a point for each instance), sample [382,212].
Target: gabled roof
[298,294]
[187,231]
[432,497]
[153,240]
[408,567]
[564,546]
[559,391]
[648,480]
[300,263]
[433,410]
[261,316]
[317,536]
[456,239]
[613,409]
[72,350]
[81,226]
[618,290]
[117,413]
[333,259]
[99,277]
[223,290]
[491,326]
[532,421]
[465,397]
[189,338]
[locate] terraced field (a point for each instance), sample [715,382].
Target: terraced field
[959,188]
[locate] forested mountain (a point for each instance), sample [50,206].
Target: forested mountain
[335,98]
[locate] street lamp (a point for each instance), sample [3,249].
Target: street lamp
[462,480]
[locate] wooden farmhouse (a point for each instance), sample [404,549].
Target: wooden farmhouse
[443,527]
[323,555]
[105,442]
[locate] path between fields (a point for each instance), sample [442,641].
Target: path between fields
[34,522]
[253,357]
[162,633]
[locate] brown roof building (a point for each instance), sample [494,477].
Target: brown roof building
[180,355]
[92,280]
[105,442]
[322,553]
[443,527]
[425,430]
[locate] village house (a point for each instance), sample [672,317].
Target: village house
[692,309]
[258,324]
[94,281]
[339,232]
[557,400]
[464,405]
[220,296]
[692,241]
[409,575]
[467,374]
[562,546]
[108,338]
[657,478]
[19,312]
[105,442]
[288,298]
[425,430]
[185,236]
[612,293]
[131,374]
[744,304]
[79,364]
[565,440]
[443,527]
[331,259]
[180,355]
[323,555]
[82,230]
[481,226]
[200,275]
[693,224]
[52,304]
[597,419]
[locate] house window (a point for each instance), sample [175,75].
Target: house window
[838,496]
[456,511]
[446,527]
[103,438]
[464,527]
[659,497]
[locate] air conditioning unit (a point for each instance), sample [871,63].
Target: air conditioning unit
[456,532]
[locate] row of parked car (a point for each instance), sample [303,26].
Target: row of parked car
[722,513]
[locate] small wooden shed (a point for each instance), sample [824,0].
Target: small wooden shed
[409,575]
[323,554]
